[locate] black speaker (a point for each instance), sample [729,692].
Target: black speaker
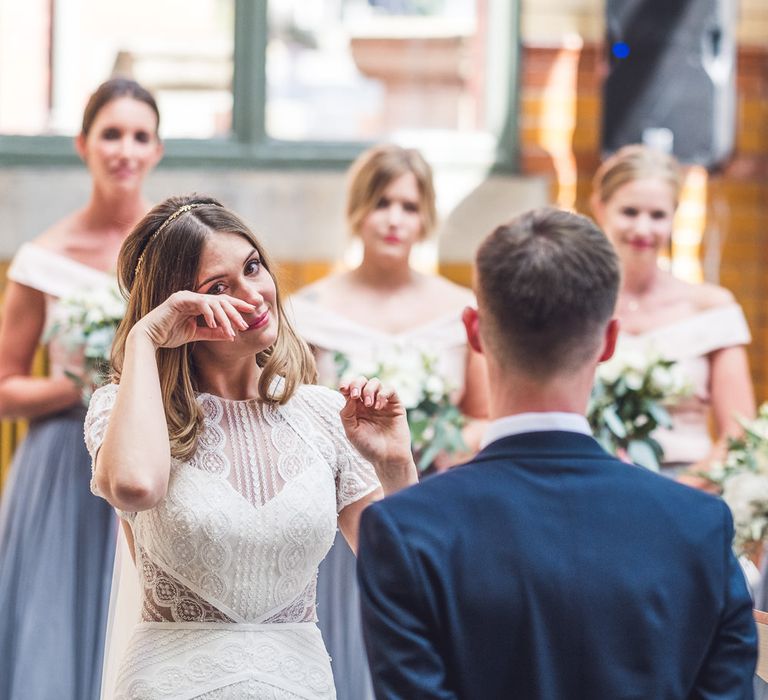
[671,81]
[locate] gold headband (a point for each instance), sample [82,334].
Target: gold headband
[176,214]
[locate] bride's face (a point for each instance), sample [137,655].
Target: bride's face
[231,265]
[638,217]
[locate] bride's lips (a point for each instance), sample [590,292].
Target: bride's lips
[259,321]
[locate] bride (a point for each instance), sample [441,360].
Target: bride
[229,470]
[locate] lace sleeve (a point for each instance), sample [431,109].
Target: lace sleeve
[355,477]
[96,421]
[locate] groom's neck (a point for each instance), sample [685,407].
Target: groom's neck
[513,392]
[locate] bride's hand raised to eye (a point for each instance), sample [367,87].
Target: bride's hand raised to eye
[185,317]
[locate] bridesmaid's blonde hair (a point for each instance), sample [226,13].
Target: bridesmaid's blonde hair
[635,162]
[161,256]
[374,170]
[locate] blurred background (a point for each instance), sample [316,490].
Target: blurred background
[514,102]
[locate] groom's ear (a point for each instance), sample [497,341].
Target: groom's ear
[609,340]
[471,320]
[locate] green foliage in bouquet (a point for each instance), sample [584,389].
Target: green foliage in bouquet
[85,324]
[434,420]
[742,477]
[629,401]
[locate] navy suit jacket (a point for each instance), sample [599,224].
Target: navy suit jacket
[545,568]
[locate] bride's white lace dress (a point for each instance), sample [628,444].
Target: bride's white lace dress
[227,561]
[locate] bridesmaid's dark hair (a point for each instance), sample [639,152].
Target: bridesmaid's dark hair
[113,89]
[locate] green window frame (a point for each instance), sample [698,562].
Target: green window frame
[249,146]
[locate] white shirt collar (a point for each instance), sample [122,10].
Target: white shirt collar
[534,423]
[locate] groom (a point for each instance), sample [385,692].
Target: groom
[545,568]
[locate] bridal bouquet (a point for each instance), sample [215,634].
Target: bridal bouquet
[85,324]
[435,422]
[629,401]
[742,477]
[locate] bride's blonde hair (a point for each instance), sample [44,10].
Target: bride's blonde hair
[160,257]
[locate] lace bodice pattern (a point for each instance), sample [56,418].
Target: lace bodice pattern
[236,542]
[247,520]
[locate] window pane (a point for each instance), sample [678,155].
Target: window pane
[180,50]
[354,70]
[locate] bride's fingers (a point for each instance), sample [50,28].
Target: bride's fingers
[353,387]
[207,313]
[364,389]
[369,391]
[222,319]
[205,333]
[384,397]
[239,304]
[234,315]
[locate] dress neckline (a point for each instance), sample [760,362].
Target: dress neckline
[687,320]
[69,260]
[207,394]
[274,386]
[442,318]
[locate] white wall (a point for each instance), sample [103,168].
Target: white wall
[299,214]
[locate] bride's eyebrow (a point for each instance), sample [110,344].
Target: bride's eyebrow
[219,275]
[209,280]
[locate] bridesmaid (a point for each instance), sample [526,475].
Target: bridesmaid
[384,305]
[635,194]
[57,539]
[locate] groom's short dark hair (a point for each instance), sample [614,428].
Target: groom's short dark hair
[547,283]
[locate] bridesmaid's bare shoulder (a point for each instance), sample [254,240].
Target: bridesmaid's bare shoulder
[326,290]
[711,296]
[447,293]
[703,296]
[60,236]
[697,297]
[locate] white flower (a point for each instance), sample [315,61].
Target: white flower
[362,369]
[760,456]
[760,428]
[637,361]
[85,323]
[413,372]
[662,379]
[633,379]
[99,342]
[411,364]
[681,386]
[611,370]
[741,492]
[434,387]
[409,391]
